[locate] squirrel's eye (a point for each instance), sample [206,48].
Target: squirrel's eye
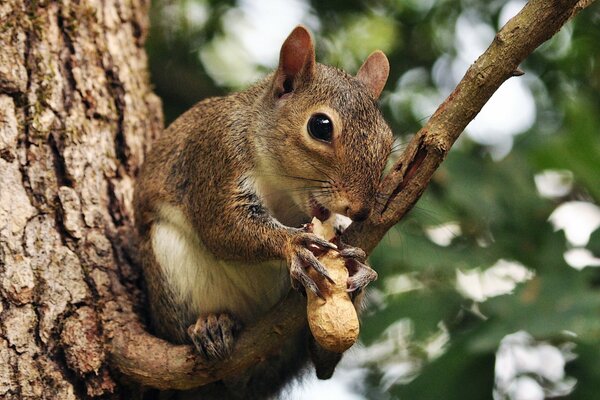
[320,127]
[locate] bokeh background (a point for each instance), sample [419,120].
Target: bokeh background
[490,288]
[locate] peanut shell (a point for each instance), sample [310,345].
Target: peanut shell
[333,321]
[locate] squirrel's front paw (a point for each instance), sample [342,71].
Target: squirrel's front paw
[302,250]
[212,335]
[360,274]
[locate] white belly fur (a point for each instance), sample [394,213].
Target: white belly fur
[211,285]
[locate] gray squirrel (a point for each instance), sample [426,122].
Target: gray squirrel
[223,193]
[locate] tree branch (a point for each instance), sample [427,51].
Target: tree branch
[537,22]
[157,363]
[154,362]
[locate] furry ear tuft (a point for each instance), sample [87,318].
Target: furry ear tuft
[374,72]
[296,61]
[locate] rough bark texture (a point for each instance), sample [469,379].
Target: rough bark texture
[76,115]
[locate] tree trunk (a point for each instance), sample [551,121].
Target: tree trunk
[76,116]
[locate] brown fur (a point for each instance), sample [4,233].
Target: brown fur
[231,165]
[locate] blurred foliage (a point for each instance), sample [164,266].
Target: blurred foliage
[494,201]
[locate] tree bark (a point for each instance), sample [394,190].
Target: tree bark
[76,115]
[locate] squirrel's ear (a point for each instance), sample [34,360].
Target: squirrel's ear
[374,72]
[296,61]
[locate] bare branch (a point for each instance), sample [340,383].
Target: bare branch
[538,21]
[154,362]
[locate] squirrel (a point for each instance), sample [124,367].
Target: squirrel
[222,195]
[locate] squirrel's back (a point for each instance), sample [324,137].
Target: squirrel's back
[194,145]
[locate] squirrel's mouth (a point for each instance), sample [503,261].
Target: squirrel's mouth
[317,209]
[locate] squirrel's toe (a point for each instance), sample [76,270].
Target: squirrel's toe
[213,336]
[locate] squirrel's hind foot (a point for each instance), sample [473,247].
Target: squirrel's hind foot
[213,336]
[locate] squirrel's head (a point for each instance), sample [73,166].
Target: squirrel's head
[323,135]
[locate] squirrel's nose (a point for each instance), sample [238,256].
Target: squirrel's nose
[358,214]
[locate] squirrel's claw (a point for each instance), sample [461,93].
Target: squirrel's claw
[299,275]
[212,336]
[303,249]
[309,259]
[313,242]
[355,253]
[360,273]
